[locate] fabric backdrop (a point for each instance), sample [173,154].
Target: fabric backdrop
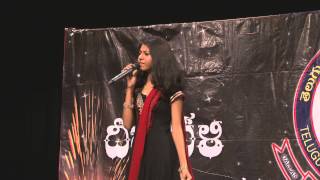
[242,77]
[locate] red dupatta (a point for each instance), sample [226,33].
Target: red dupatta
[142,130]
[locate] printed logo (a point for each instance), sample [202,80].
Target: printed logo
[306,121]
[209,147]
[306,113]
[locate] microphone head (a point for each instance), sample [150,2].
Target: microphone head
[136,65]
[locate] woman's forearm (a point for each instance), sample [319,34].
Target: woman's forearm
[127,114]
[177,131]
[179,141]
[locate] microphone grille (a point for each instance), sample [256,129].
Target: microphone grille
[136,65]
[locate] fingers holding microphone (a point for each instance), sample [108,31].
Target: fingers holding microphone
[129,71]
[131,78]
[130,66]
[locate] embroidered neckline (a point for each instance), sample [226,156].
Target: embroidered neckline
[140,102]
[146,94]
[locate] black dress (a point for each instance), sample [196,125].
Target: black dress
[160,158]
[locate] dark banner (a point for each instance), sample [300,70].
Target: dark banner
[251,105]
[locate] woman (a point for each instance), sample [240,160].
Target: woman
[154,103]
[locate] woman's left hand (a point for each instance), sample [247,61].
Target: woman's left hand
[185,175]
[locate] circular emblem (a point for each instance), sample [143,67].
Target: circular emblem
[306,113]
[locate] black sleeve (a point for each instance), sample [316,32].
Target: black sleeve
[176,95]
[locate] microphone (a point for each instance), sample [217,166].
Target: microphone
[124,73]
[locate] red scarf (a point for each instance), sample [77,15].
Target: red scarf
[142,130]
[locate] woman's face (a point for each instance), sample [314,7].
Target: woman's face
[145,59]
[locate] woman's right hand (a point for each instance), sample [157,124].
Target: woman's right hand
[132,77]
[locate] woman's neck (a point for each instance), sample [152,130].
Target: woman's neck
[148,79]
[148,83]
[147,86]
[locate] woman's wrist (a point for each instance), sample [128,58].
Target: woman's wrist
[183,167]
[127,105]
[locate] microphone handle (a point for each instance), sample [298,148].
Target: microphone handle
[119,76]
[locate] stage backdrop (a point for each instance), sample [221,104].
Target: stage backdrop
[252,103]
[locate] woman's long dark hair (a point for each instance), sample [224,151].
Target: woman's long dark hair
[167,75]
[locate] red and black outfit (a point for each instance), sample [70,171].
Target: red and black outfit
[153,154]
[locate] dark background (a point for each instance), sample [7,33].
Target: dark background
[33,60]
